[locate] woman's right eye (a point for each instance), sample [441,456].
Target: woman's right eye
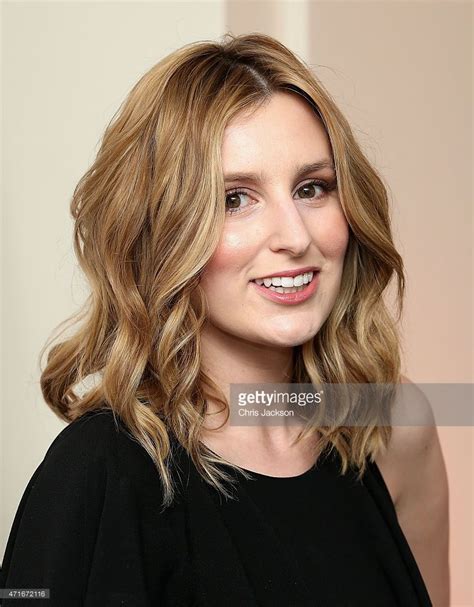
[233,200]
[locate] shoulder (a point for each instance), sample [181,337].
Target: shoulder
[415,472]
[413,433]
[92,458]
[99,487]
[98,436]
[87,436]
[92,429]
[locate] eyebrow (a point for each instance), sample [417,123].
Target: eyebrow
[325,163]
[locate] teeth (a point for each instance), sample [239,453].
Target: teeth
[286,289]
[286,281]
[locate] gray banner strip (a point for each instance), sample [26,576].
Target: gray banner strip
[412,404]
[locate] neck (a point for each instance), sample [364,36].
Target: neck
[227,360]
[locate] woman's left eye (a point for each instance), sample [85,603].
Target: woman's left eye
[310,186]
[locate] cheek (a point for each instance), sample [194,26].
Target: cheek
[332,234]
[234,252]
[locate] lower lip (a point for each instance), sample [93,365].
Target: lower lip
[289,298]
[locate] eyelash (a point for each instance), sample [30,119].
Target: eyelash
[322,184]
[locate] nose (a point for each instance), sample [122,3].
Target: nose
[287,227]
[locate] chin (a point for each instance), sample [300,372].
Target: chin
[291,340]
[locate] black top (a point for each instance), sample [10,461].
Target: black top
[89,529]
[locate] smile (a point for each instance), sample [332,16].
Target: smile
[288,290]
[286,284]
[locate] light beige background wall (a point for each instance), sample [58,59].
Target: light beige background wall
[400,71]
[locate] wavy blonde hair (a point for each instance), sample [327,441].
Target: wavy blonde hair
[148,216]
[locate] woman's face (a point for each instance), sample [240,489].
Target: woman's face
[280,221]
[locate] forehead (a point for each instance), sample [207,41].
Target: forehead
[283,132]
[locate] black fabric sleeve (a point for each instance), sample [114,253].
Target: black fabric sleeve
[83,522]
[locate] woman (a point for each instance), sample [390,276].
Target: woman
[227,166]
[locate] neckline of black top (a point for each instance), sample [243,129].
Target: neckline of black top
[272,479]
[280,479]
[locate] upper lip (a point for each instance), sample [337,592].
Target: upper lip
[294,272]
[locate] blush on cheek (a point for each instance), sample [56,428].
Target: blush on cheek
[233,253]
[333,235]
